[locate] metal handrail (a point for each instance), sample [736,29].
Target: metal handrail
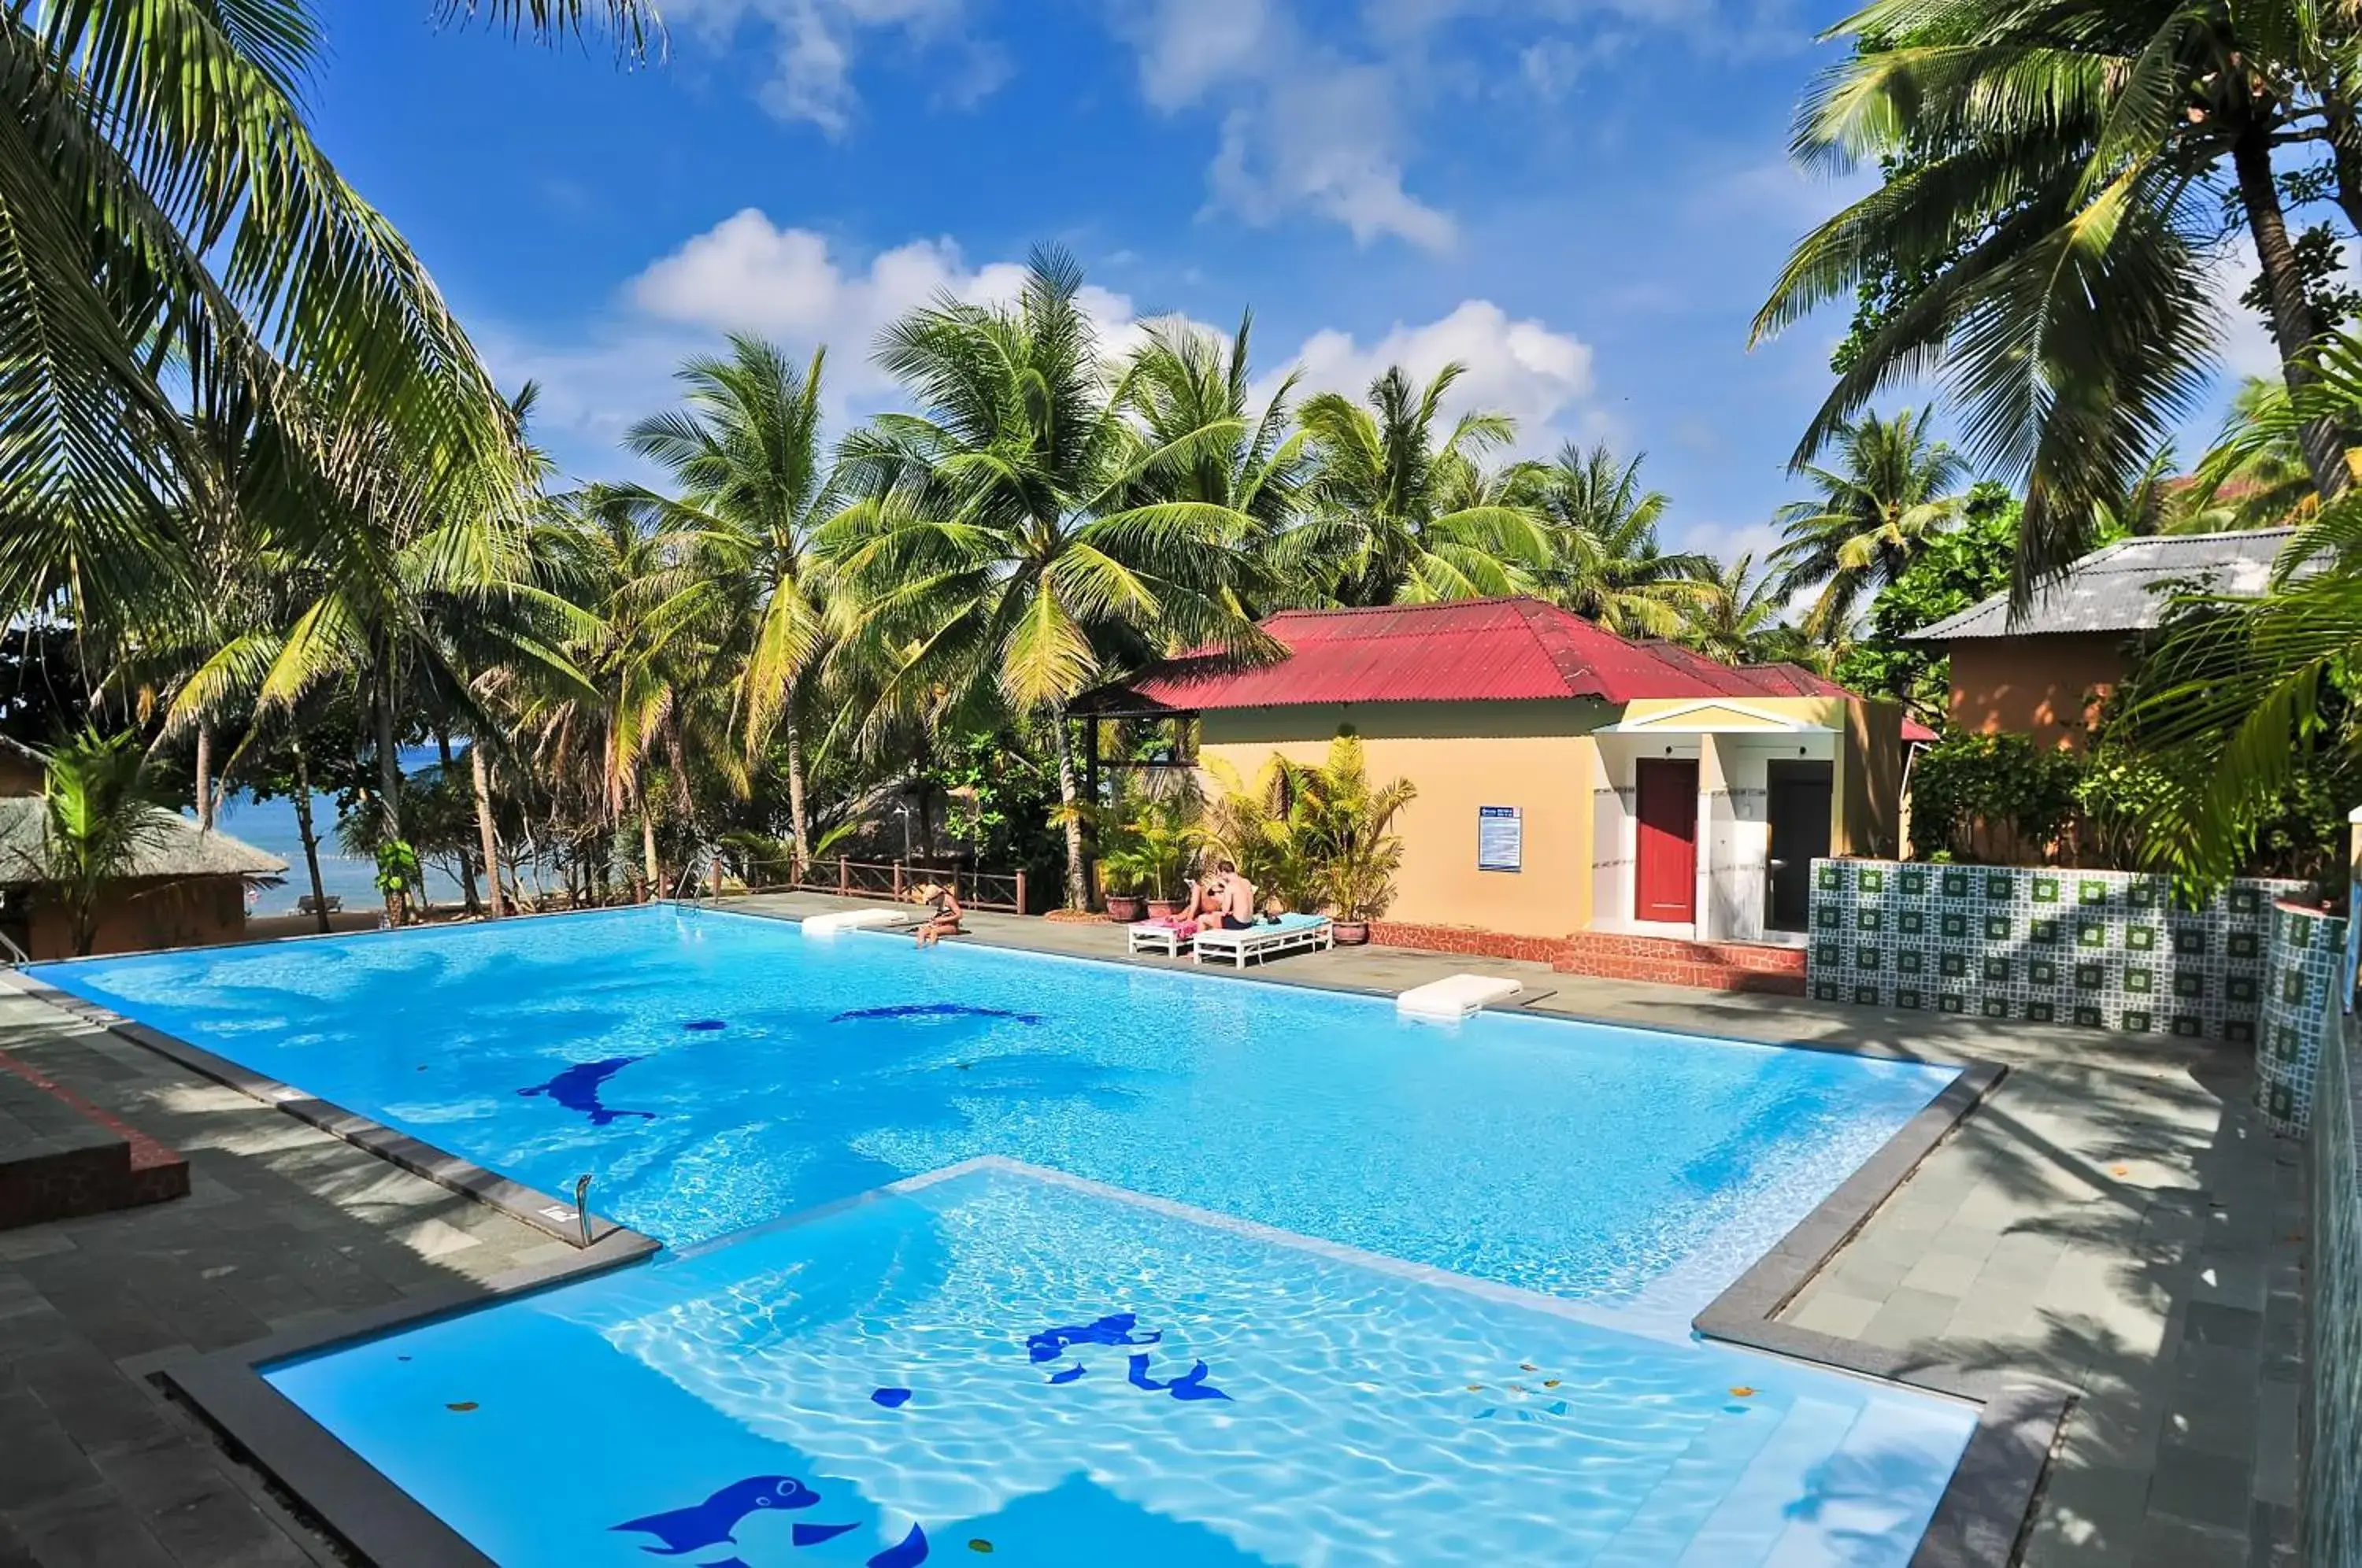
[16,954]
[1001,890]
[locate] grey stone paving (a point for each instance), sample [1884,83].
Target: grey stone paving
[2111,1219]
[283,1225]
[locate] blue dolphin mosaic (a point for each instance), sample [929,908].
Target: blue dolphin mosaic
[576,1089]
[713,1523]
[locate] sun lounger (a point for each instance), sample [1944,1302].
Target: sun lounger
[1261,940]
[1157,936]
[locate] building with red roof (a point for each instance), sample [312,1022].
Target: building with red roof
[1570,780]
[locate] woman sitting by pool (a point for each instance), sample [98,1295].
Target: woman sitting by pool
[945,920]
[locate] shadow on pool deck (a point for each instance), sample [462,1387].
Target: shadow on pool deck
[2111,1218]
[284,1226]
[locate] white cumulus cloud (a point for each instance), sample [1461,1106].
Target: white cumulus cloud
[802,289]
[1540,377]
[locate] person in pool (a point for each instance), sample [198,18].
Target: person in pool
[944,920]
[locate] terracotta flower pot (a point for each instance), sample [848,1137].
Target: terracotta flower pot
[1125,908]
[1164,909]
[1351,933]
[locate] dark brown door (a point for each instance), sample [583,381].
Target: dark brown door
[1799,812]
[1665,882]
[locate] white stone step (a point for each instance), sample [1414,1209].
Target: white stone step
[1754,1513]
[1661,1527]
[1881,1487]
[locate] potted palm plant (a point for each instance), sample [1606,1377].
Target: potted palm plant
[1123,870]
[1352,823]
[1167,836]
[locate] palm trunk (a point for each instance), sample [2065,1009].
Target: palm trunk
[1078,891]
[389,784]
[2294,325]
[648,846]
[311,839]
[205,776]
[799,823]
[489,841]
[468,894]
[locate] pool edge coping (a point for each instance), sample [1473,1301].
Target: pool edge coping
[554,1216]
[1983,1509]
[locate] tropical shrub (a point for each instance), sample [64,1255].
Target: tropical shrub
[2002,784]
[1351,823]
[98,812]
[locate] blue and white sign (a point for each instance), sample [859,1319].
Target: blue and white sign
[1500,838]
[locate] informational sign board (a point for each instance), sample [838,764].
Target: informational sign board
[1500,838]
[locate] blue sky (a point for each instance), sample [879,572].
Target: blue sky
[1585,199]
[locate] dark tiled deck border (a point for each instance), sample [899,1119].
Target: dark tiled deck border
[554,1216]
[1977,1523]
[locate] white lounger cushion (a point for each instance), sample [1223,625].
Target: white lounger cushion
[1264,939]
[829,924]
[1455,995]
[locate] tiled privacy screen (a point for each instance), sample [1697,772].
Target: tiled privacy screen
[2106,949]
[2305,955]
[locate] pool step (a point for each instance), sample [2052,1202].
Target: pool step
[1668,1518]
[1754,1512]
[62,1157]
[1882,1485]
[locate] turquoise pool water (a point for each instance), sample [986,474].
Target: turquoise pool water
[714,1071]
[1000,1366]
[1281,1278]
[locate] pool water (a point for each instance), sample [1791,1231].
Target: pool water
[715,1071]
[1008,1362]
[975,1251]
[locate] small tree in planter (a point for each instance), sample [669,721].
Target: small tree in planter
[1166,834]
[1353,824]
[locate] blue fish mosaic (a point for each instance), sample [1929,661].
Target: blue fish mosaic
[1116,1328]
[1190,1385]
[712,1522]
[909,1553]
[934,1009]
[576,1089]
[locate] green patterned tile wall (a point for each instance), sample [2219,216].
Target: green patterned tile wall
[2105,949]
[2333,1361]
[2303,957]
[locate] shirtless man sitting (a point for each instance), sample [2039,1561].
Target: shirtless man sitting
[1226,902]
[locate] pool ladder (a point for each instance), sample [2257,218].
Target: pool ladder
[582,1205]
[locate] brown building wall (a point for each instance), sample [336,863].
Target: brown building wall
[193,911]
[2045,686]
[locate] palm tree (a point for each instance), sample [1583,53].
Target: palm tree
[2236,700]
[996,546]
[755,487]
[1892,489]
[1606,564]
[1191,392]
[2052,172]
[177,241]
[98,814]
[1395,515]
[1738,616]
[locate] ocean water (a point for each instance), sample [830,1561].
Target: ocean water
[1002,1364]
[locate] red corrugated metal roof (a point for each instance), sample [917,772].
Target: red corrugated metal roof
[1477,650]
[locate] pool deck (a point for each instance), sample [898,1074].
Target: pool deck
[2110,1218]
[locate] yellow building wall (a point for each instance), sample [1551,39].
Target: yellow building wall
[1536,756]
[1539,757]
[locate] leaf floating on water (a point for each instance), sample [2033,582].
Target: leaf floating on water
[462,1405]
[980,1544]
[1742,1392]
[1550,1382]
[1475,1388]
[1528,1366]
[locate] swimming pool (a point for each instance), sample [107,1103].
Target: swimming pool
[1000,1362]
[971,1250]
[714,1071]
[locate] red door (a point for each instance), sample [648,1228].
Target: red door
[1665,886]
